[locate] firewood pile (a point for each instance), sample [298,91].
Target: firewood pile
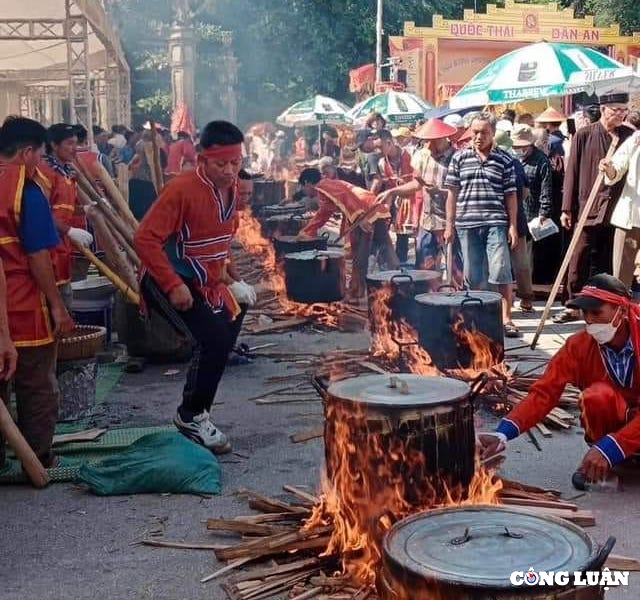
[277,555]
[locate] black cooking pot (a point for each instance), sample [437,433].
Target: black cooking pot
[284,225]
[405,285]
[440,311]
[469,553]
[288,208]
[289,244]
[266,191]
[314,276]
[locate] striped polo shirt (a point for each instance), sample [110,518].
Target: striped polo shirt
[482,187]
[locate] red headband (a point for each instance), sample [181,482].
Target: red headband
[229,152]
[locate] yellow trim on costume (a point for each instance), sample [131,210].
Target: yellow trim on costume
[17,201]
[47,316]
[60,282]
[35,343]
[4,241]
[63,206]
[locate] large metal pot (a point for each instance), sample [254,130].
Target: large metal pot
[290,244]
[284,225]
[266,191]
[404,286]
[315,276]
[469,553]
[440,311]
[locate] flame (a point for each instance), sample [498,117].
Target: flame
[376,480]
[393,339]
[272,278]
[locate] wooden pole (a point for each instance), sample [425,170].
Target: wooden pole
[584,215]
[116,197]
[132,296]
[30,462]
[156,166]
[123,181]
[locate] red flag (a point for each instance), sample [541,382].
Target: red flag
[181,120]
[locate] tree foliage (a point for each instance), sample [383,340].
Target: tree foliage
[286,49]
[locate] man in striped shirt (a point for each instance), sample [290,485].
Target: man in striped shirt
[482,209]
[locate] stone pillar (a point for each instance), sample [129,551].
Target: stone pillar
[182,61]
[228,81]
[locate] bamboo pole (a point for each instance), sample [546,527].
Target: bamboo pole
[120,204]
[155,150]
[30,462]
[131,295]
[110,245]
[584,215]
[123,180]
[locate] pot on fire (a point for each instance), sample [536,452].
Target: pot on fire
[417,430]
[266,192]
[404,286]
[315,276]
[289,244]
[469,553]
[443,316]
[284,225]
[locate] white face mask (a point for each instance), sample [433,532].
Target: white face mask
[603,333]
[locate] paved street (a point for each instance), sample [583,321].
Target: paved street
[63,543]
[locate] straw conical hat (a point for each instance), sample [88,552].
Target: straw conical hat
[550,115]
[434,129]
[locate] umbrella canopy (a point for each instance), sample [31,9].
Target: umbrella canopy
[398,108]
[542,70]
[318,110]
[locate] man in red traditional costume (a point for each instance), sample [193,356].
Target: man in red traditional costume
[184,242]
[8,352]
[60,184]
[358,206]
[603,361]
[36,312]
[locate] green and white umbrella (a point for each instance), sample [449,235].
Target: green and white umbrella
[542,70]
[398,108]
[319,110]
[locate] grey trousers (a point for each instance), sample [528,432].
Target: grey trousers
[522,266]
[626,243]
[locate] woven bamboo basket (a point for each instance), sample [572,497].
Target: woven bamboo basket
[83,342]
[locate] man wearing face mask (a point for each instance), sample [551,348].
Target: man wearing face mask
[603,362]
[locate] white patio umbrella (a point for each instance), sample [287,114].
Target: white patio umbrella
[398,108]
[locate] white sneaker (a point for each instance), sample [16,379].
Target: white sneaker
[203,431]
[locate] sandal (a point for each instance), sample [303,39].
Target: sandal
[526,306]
[510,330]
[566,316]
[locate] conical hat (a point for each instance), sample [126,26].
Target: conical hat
[550,115]
[434,129]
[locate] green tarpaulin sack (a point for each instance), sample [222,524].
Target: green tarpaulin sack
[163,462]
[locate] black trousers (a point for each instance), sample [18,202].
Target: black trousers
[213,335]
[592,255]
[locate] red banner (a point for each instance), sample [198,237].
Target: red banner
[362,77]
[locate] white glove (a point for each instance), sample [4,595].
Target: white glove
[80,236]
[243,292]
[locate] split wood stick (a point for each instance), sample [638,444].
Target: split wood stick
[242,527]
[307,498]
[577,232]
[276,544]
[275,326]
[277,570]
[88,435]
[537,503]
[272,517]
[622,563]
[268,590]
[312,593]
[230,567]
[131,295]
[116,197]
[30,462]
[118,261]
[182,545]
[155,152]
[271,503]
[544,430]
[305,436]
[584,518]
[510,484]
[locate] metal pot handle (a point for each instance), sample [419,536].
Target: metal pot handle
[603,554]
[470,299]
[401,277]
[466,536]
[447,285]
[324,235]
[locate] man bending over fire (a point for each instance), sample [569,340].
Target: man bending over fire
[370,223]
[603,361]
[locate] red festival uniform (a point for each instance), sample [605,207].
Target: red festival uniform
[29,319]
[609,412]
[404,220]
[352,201]
[190,210]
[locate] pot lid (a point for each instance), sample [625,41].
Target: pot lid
[293,239]
[472,298]
[480,546]
[315,254]
[402,275]
[401,390]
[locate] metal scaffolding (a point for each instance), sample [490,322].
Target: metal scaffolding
[62,59]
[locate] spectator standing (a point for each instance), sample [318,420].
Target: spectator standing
[482,208]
